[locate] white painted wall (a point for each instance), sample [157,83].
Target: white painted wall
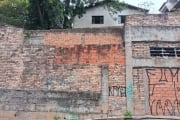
[169,5]
[109,20]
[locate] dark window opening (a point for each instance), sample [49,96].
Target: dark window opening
[121,19]
[156,52]
[164,52]
[97,19]
[178,52]
[169,52]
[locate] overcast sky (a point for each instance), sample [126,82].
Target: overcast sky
[154,8]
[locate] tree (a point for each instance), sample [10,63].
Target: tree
[14,12]
[71,9]
[114,6]
[46,14]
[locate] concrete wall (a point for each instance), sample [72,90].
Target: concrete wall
[155,79]
[109,19]
[77,73]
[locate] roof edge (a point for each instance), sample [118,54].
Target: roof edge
[128,5]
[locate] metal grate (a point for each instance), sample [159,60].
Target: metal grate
[164,52]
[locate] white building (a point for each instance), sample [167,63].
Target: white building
[99,16]
[170,6]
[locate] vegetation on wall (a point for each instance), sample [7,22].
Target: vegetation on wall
[48,14]
[128,115]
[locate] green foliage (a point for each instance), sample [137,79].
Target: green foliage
[76,7]
[48,14]
[128,115]
[14,12]
[45,14]
[114,6]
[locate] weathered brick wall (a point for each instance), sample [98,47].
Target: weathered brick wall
[90,66]
[46,65]
[162,82]
[117,90]
[49,60]
[52,101]
[171,19]
[163,90]
[152,63]
[142,49]
[102,46]
[11,64]
[139,91]
[85,46]
[91,54]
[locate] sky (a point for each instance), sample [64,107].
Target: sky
[153,9]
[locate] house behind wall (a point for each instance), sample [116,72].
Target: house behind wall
[99,16]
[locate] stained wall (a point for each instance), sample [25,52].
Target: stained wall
[79,72]
[152,64]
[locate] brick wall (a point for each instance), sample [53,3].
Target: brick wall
[86,46]
[11,64]
[90,67]
[91,54]
[163,90]
[152,63]
[162,82]
[171,19]
[142,49]
[139,91]
[49,62]
[100,46]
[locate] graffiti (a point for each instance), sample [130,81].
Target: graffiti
[117,91]
[55,81]
[70,82]
[130,91]
[74,78]
[72,117]
[164,91]
[49,84]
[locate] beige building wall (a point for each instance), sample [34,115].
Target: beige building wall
[109,19]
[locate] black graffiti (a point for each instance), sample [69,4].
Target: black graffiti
[164,74]
[164,91]
[117,91]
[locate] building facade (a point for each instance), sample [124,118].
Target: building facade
[92,73]
[170,6]
[152,63]
[100,16]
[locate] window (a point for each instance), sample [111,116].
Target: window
[97,19]
[156,51]
[164,52]
[121,19]
[178,52]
